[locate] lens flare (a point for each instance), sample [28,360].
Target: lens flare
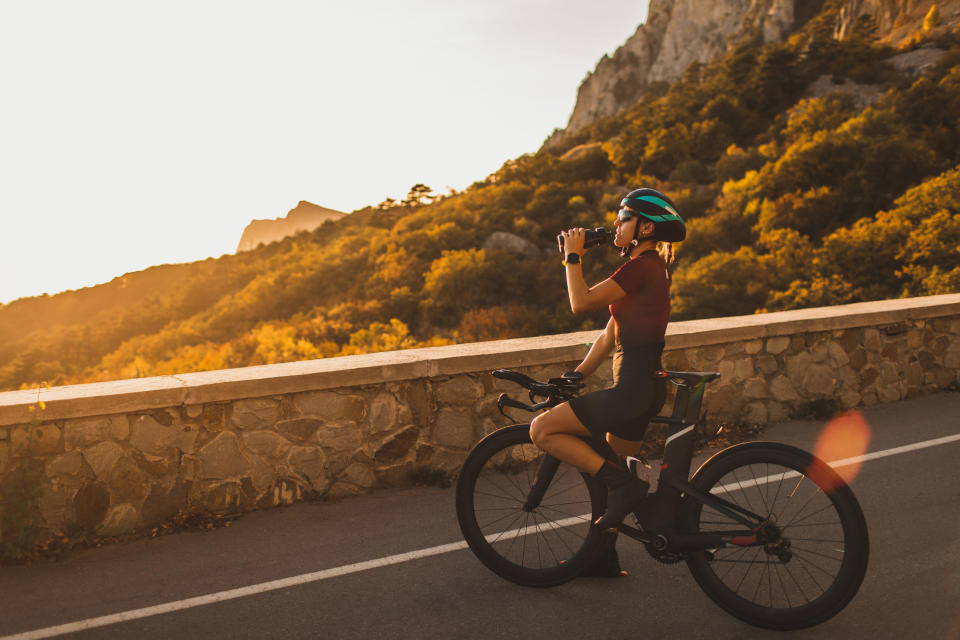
[846,436]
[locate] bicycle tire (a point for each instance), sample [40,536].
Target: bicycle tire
[815,510]
[545,547]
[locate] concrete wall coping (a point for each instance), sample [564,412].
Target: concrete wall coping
[141,394]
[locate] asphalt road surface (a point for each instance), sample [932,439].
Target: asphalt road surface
[392,565]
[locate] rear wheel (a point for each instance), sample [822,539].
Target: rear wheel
[812,549]
[542,547]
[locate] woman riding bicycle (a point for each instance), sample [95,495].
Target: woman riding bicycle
[638,295]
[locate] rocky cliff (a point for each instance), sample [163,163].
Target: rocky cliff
[306,216]
[680,32]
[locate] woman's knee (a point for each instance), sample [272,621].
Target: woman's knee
[538,429]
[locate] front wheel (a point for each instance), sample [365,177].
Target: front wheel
[540,547]
[811,553]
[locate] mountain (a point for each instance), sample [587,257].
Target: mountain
[816,166]
[678,33]
[306,216]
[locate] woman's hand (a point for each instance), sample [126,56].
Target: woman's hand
[573,240]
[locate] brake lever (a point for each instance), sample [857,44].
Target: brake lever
[506,401]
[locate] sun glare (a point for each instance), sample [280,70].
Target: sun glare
[844,437]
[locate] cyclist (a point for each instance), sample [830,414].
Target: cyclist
[638,295]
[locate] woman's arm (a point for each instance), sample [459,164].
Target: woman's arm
[599,350]
[582,297]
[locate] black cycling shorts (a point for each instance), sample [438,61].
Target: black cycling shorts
[636,396]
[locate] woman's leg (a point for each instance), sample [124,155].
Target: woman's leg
[559,432]
[624,448]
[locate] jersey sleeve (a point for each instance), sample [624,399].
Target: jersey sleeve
[636,274]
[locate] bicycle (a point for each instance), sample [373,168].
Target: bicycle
[771,533]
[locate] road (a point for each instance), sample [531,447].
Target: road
[349,571]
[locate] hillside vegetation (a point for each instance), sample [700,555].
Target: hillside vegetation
[792,200]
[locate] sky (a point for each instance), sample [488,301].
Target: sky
[135,133]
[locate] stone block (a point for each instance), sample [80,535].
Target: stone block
[54,506]
[417,396]
[149,436]
[943,377]
[262,474]
[872,340]
[778,344]
[889,373]
[850,340]
[344,436]
[358,475]
[838,356]
[266,443]
[127,481]
[454,428]
[782,389]
[329,405]
[732,349]
[914,338]
[797,365]
[83,433]
[383,412]
[119,520]
[396,447]
[951,359]
[221,458]
[755,413]
[221,497]
[727,369]
[848,379]
[849,399]
[309,463]
[255,413]
[818,380]
[776,412]
[4,457]
[101,458]
[914,374]
[193,410]
[70,464]
[37,440]
[676,360]
[163,503]
[755,389]
[90,505]
[767,364]
[214,417]
[155,465]
[299,429]
[820,352]
[753,347]
[708,358]
[858,358]
[743,369]
[462,389]
[890,393]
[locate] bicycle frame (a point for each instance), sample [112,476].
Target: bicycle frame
[661,507]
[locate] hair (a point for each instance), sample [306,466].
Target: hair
[665,249]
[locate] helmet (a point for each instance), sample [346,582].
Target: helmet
[656,207]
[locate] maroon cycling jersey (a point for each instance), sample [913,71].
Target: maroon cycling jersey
[642,315]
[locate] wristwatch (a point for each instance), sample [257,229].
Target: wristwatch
[572,258]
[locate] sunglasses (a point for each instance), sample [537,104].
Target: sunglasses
[626,214]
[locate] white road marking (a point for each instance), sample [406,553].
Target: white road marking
[335,572]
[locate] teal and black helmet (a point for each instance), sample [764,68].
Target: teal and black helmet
[656,207]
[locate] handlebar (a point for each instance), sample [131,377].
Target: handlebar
[555,390]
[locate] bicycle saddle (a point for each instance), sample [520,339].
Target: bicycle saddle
[693,378]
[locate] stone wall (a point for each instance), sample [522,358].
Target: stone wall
[121,456]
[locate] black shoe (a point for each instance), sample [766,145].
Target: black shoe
[607,564]
[626,492]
